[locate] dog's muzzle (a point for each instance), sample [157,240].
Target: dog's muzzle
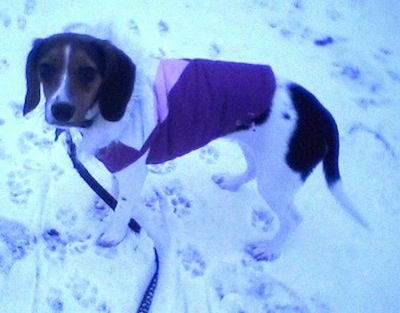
[63,114]
[62,111]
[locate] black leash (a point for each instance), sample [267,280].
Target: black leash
[112,203]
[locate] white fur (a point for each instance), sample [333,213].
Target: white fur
[341,196]
[61,94]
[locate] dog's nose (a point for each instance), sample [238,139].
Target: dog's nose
[62,111]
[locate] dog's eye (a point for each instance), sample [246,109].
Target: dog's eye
[46,71]
[86,74]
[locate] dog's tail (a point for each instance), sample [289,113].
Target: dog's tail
[332,174]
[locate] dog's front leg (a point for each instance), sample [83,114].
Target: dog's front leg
[128,184]
[129,181]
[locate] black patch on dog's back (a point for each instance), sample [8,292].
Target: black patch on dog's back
[315,136]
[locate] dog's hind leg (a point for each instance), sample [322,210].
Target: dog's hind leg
[270,250]
[233,182]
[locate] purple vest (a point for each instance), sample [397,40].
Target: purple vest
[197,102]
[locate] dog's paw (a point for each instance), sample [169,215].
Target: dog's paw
[264,251]
[227,181]
[209,154]
[112,236]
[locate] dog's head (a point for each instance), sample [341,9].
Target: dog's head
[81,76]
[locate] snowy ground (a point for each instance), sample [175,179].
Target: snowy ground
[347,52]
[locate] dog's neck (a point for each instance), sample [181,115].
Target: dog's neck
[100,134]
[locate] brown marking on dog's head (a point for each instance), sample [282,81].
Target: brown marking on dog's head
[78,72]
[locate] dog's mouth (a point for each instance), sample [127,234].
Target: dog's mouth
[65,125]
[90,116]
[87,123]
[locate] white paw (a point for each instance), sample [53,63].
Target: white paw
[113,236]
[264,251]
[227,181]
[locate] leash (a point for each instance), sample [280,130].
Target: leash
[147,298]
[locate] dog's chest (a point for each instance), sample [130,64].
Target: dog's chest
[198,101]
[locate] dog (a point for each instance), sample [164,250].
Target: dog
[283,130]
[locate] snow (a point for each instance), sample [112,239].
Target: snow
[346,52]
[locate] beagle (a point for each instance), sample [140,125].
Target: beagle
[282,128]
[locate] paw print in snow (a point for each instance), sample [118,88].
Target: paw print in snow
[6,260]
[244,288]
[25,141]
[262,219]
[18,185]
[15,243]
[55,246]
[181,206]
[152,201]
[29,7]
[21,22]
[209,154]
[83,292]
[29,139]
[192,261]
[133,26]
[55,301]
[67,217]
[163,168]
[163,27]
[58,244]
[79,242]
[5,19]
[3,154]
[87,295]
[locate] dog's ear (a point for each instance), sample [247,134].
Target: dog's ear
[117,85]
[32,96]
